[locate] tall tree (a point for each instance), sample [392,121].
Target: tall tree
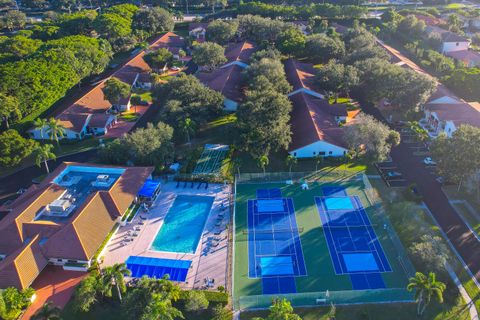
[187,126]
[14,301]
[14,148]
[458,157]
[322,48]
[290,162]
[267,69]
[209,55]
[262,162]
[220,31]
[14,19]
[159,59]
[43,153]
[282,309]
[115,90]
[263,121]
[370,138]
[9,109]
[153,20]
[160,308]
[291,41]
[55,130]
[41,125]
[426,287]
[113,276]
[335,77]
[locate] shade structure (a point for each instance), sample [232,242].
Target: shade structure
[177,270]
[149,188]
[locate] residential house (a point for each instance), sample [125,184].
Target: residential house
[197,31]
[468,57]
[317,126]
[93,114]
[228,78]
[64,220]
[450,41]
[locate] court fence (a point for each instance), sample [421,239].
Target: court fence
[375,201]
[297,177]
[325,298]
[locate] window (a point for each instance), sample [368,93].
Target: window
[330,152]
[294,154]
[344,152]
[59,260]
[314,153]
[322,153]
[457,44]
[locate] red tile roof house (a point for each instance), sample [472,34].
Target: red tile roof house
[228,79]
[445,112]
[317,126]
[450,41]
[64,220]
[469,58]
[92,114]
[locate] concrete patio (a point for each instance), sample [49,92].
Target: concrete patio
[209,260]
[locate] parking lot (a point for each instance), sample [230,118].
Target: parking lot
[388,170]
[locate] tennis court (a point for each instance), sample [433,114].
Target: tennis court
[211,159]
[329,243]
[274,244]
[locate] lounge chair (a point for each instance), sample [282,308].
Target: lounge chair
[219,223]
[217,232]
[178,183]
[193,183]
[206,185]
[199,185]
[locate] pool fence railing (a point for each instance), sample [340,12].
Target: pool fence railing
[296,177]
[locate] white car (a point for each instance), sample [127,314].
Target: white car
[429,162]
[393,174]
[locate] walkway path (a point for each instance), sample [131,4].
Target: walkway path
[471,306]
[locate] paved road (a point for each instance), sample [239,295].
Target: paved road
[414,171]
[23,178]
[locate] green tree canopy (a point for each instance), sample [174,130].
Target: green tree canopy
[458,157]
[270,69]
[14,148]
[321,48]
[426,288]
[370,138]
[9,109]
[337,78]
[159,59]
[115,90]
[209,55]
[291,41]
[13,302]
[196,301]
[153,20]
[220,31]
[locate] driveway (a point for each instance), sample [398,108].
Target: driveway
[415,171]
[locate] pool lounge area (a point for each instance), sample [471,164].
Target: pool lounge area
[183,226]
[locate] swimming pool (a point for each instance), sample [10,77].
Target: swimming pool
[183,225]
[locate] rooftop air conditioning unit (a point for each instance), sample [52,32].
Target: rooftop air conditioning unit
[59,206]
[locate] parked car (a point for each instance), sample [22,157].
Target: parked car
[429,161]
[393,174]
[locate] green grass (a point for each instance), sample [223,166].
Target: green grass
[454,6]
[321,275]
[129,116]
[339,100]
[472,220]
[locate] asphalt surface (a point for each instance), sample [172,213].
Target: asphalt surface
[414,171]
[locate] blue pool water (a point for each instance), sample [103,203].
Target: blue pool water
[183,224]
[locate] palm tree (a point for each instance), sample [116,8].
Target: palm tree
[112,276]
[55,130]
[47,312]
[318,160]
[425,287]
[188,127]
[237,163]
[160,307]
[262,162]
[43,153]
[290,161]
[40,124]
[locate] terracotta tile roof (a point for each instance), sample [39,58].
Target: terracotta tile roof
[467,56]
[99,120]
[78,238]
[312,120]
[461,113]
[11,227]
[300,75]
[431,21]
[23,266]
[240,51]
[227,80]
[75,116]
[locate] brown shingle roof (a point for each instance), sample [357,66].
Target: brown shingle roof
[300,75]
[239,51]
[227,80]
[99,120]
[461,113]
[312,120]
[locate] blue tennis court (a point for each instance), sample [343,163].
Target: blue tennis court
[177,270]
[275,252]
[353,245]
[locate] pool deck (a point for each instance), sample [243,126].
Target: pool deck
[207,261]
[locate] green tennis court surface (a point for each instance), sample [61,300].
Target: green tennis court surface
[321,284]
[211,159]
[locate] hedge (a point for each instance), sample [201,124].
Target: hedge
[212,296]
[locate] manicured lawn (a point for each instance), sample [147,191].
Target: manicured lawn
[129,116]
[339,100]
[455,6]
